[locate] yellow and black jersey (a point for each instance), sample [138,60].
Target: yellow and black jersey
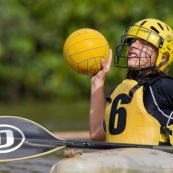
[140,113]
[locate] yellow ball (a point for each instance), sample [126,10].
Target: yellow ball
[84,49]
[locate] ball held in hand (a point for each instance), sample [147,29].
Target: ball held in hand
[84,49]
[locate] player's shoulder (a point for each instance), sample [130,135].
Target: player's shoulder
[165,78]
[165,81]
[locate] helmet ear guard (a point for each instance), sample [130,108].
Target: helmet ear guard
[166,48]
[154,32]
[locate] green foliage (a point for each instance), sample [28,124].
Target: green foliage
[32,34]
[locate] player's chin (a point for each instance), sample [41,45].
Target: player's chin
[132,64]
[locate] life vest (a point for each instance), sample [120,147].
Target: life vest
[127,120]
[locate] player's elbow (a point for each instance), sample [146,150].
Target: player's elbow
[97,136]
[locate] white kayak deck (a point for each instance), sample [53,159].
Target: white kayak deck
[131,160]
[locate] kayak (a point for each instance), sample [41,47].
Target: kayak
[122,160]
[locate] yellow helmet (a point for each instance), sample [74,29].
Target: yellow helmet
[156,33]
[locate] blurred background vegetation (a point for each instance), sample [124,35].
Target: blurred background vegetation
[35,82]
[32,34]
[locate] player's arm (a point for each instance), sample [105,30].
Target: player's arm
[97,102]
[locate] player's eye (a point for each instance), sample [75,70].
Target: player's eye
[130,41]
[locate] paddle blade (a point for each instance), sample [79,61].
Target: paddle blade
[23,139]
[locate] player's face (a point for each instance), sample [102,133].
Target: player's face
[141,54]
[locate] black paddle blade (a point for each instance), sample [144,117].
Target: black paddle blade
[22,139]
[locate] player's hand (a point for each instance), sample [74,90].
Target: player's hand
[101,75]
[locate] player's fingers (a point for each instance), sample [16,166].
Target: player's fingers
[110,58]
[103,63]
[106,65]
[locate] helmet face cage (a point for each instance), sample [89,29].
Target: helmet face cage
[150,31]
[125,45]
[120,55]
